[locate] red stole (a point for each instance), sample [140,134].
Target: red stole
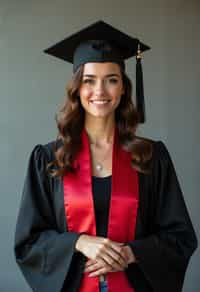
[79,209]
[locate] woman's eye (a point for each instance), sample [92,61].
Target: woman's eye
[113,80]
[90,81]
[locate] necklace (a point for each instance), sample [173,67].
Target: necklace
[99,164]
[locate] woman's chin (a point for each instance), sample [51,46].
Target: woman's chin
[100,114]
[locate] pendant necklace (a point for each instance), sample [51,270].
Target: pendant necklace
[99,164]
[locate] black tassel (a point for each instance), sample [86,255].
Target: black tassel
[140,89]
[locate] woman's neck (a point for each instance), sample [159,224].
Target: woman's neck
[100,131]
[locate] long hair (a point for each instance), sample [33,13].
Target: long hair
[70,123]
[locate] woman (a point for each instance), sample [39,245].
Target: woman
[102,209]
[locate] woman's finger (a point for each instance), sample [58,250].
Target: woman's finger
[116,254]
[101,271]
[110,261]
[93,267]
[90,262]
[117,257]
[119,250]
[117,246]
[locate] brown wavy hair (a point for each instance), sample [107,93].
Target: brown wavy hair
[70,122]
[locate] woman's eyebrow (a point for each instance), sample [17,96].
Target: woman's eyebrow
[108,75]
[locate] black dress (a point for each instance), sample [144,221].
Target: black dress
[164,239]
[101,189]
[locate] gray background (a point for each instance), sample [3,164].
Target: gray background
[32,86]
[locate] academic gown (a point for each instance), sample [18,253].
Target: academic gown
[164,236]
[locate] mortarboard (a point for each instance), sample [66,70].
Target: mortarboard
[100,42]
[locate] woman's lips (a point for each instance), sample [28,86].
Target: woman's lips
[100,102]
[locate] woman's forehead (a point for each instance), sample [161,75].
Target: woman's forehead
[101,68]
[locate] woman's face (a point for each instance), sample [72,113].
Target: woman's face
[101,89]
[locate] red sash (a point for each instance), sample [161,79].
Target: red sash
[79,208]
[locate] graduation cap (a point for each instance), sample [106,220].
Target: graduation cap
[100,42]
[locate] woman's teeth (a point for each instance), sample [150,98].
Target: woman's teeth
[100,101]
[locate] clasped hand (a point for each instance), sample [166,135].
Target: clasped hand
[104,255]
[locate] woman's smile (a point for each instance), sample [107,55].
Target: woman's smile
[100,102]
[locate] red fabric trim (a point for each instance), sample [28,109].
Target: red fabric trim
[79,208]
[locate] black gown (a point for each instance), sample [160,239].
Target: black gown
[164,239]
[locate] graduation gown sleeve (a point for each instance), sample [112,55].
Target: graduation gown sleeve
[43,252]
[163,253]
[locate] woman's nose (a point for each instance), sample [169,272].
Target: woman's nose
[100,88]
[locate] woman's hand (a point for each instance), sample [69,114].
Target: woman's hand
[106,254]
[97,267]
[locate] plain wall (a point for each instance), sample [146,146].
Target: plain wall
[32,86]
